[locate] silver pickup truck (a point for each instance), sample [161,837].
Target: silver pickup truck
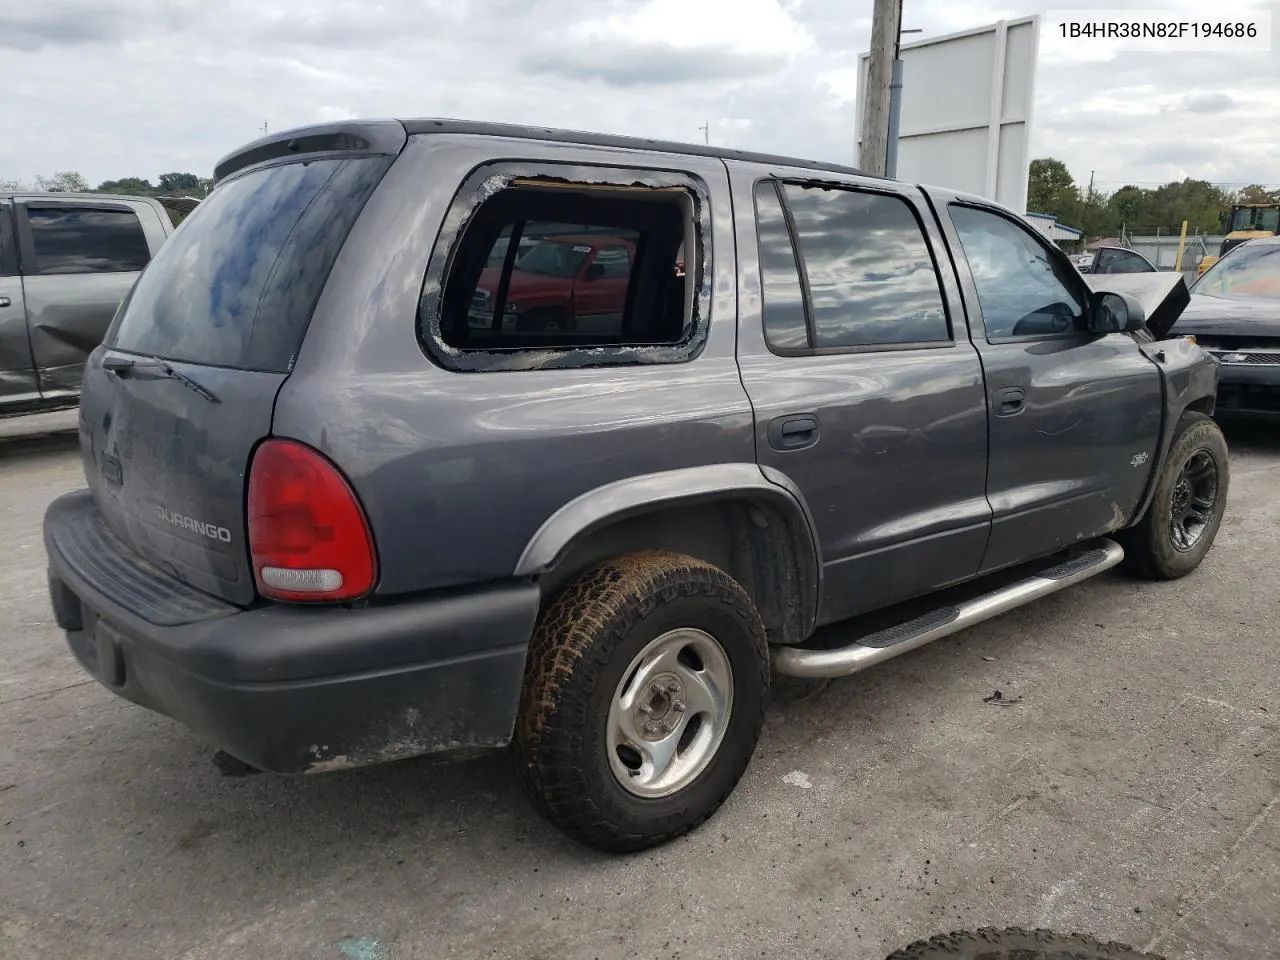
[66,262]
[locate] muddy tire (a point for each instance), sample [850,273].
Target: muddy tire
[1015,944]
[1186,511]
[643,700]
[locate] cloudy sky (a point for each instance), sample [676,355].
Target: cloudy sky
[115,88]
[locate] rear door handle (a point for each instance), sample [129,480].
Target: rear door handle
[1010,400]
[5,301]
[793,432]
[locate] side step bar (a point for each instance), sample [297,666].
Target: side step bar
[897,640]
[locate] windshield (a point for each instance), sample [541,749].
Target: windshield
[1256,218]
[1249,271]
[554,258]
[236,283]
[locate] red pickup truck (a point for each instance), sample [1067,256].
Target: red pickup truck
[565,282]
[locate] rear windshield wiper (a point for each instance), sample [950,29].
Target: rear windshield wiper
[152,368]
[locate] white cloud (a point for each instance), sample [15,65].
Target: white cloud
[746,26]
[138,87]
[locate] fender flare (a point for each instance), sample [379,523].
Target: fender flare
[686,486]
[1187,375]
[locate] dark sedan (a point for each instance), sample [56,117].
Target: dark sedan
[1234,313]
[1113,260]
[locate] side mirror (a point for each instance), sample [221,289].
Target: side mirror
[594,272]
[1115,313]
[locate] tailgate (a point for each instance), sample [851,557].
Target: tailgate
[167,466]
[183,389]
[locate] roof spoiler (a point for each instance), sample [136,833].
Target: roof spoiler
[348,136]
[1163,295]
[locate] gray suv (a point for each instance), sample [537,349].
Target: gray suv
[66,262]
[427,437]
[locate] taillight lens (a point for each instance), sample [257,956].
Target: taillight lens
[308,537]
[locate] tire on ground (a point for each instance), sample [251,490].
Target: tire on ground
[583,643]
[1149,546]
[1017,944]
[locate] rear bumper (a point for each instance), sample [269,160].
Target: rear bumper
[295,689]
[1248,391]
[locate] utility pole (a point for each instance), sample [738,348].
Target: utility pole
[895,106]
[264,128]
[706,133]
[1091,173]
[886,22]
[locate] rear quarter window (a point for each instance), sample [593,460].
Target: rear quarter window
[568,266]
[235,286]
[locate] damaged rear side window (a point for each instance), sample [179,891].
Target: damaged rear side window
[551,269]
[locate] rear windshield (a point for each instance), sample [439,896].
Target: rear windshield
[236,285]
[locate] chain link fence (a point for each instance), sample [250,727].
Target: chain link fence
[1162,250]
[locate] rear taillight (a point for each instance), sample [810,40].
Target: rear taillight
[308,537]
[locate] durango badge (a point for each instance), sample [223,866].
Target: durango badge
[209,530]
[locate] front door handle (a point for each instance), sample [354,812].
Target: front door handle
[793,432]
[1010,400]
[5,301]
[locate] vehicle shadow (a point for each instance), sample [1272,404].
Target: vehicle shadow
[432,811]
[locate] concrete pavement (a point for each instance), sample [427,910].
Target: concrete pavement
[1131,794]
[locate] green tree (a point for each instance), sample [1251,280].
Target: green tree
[1164,208]
[67,181]
[1198,202]
[179,183]
[1097,217]
[1257,193]
[1051,189]
[129,186]
[1128,206]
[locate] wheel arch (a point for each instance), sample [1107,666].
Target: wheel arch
[1189,379]
[750,521]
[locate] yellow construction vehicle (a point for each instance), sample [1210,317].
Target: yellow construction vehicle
[1248,221]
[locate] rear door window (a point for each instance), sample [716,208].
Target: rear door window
[8,248]
[69,240]
[785,324]
[614,263]
[1131,263]
[236,286]
[845,269]
[872,280]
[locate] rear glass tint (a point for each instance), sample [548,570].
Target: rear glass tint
[236,285]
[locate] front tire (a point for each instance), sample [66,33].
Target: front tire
[1190,499]
[646,688]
